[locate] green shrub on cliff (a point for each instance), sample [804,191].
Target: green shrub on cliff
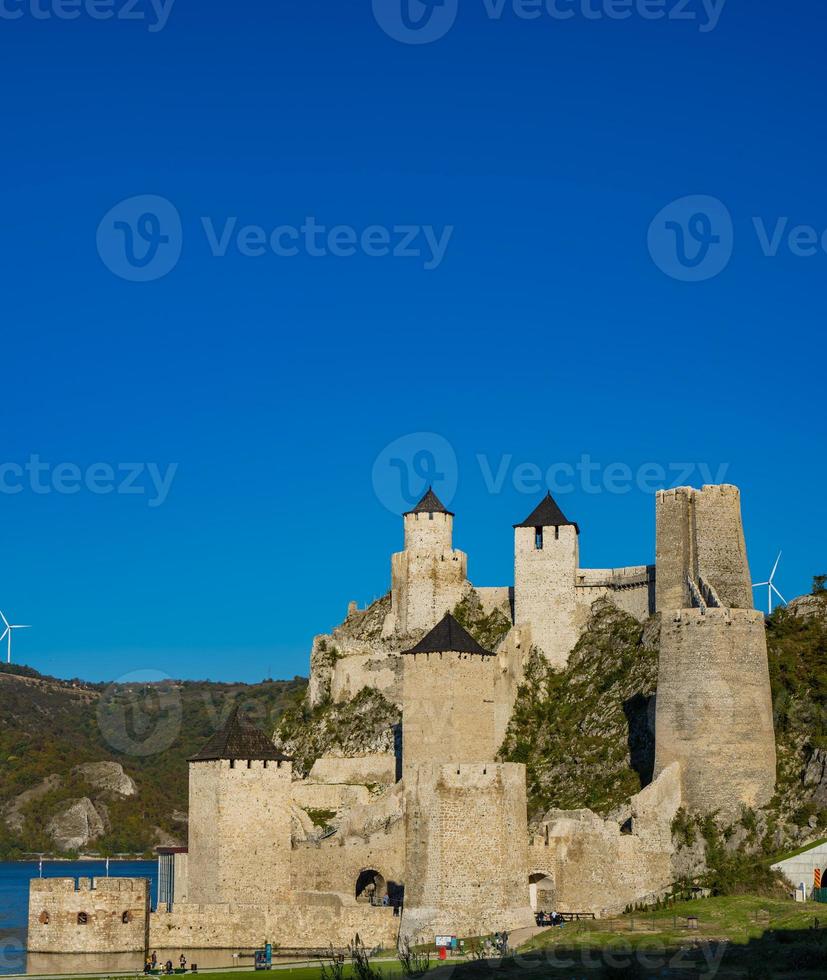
[586,733]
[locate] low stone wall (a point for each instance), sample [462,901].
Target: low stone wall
[597,868]
[313,921]
[329,796]
[88,915]
[630,589]
[361,771]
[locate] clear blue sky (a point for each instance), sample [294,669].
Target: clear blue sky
[275,382]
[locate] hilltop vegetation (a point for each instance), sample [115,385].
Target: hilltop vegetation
[52,726]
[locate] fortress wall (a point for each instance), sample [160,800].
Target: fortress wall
[333,866]
[352,673]
[329,796]
[466,850]
[105,901]
[674,520]
[448,708]
[240,829]
[426,585]
[544,589]
[357,771]
[721,549]
[308,922]
[203,840]
[596,868]
[509,672]
[714,709]
[495,597]
[631,589]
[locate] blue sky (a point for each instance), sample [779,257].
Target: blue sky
[552,326]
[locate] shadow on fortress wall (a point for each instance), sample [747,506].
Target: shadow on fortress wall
[640,719]
[800,954]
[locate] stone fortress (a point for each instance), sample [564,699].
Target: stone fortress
[432,822]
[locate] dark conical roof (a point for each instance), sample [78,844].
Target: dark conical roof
[430,504]
[239,740]
[448,637]
[547,514]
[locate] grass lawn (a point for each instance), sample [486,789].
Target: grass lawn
[741,936]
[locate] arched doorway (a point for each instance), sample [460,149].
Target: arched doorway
[370,886]
[541,892]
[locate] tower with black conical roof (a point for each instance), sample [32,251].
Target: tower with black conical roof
[239,818]
[546,556]
[447,698]
[429,577]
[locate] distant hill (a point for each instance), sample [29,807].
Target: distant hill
[51,800]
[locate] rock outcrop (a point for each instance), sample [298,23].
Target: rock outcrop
[76,825]
[107,777]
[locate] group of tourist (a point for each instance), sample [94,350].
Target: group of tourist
[151,965]
[544,919]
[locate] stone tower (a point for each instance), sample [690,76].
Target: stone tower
[465,814]
[447,698]
[546,554]
[713,707]
[239,819]
[428,578]
[700,537]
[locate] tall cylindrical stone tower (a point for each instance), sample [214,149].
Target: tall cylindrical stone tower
[429,577]
[714,704]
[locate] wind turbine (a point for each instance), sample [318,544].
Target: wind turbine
[7,633]
[769,584]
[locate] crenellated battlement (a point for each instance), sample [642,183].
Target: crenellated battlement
[84,915]
[712,616]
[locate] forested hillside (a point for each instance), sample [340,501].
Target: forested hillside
[52,727]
